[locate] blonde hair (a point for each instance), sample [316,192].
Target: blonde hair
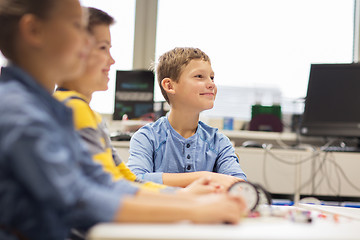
[172,63]
[11,11]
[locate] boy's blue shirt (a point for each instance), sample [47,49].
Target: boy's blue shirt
[48,181]
[157,148]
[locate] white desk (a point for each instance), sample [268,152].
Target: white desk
[290,138]
[249,228]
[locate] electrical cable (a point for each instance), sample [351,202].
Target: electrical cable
[267,150]
[312,178]
[326,176]
[337,173]
[322,167]
[346,178]
[264,167]
[320,177]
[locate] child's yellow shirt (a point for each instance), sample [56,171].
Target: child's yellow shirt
[93,130]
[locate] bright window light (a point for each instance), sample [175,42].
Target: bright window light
[260,44]
[2,60]
[122,34]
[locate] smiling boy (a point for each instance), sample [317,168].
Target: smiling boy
[178,149]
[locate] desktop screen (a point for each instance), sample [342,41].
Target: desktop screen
[134,94]
[332,105]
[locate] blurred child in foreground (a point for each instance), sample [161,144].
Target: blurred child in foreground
[48,180]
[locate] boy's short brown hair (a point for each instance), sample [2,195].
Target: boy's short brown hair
[98,17]
[174,61]
[11,11]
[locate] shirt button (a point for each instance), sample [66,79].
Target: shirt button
[188,145]
[188,157]
[188,167]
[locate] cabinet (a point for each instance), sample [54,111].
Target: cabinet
[289,171]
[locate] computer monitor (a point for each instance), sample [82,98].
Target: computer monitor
[134,94]
[332,105]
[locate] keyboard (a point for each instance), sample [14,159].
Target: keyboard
[341,149]
[119,136]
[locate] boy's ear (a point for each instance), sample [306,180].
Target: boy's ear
[30,29]
[168,86]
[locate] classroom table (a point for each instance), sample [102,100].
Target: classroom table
[328,222]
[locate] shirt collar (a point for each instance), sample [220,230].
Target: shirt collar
[15,73]
[177,135]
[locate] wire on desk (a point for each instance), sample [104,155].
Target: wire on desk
[325,169]
[312,178]
[325,174]
[268,151]
[332,160]
[346,178]
[282,144]
[322,167]
[264,166]
[338,171]
[328,174]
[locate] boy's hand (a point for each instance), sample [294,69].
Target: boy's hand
[203,185]
[186,179]
[218,208]
[225,181]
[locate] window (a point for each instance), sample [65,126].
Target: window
[2,60]
[122,50]
[261,44]
[122,34]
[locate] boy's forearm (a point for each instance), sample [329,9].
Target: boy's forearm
[154,208]
[147,207]
[181,179]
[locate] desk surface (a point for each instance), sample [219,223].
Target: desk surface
[240,136]
[341,227]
